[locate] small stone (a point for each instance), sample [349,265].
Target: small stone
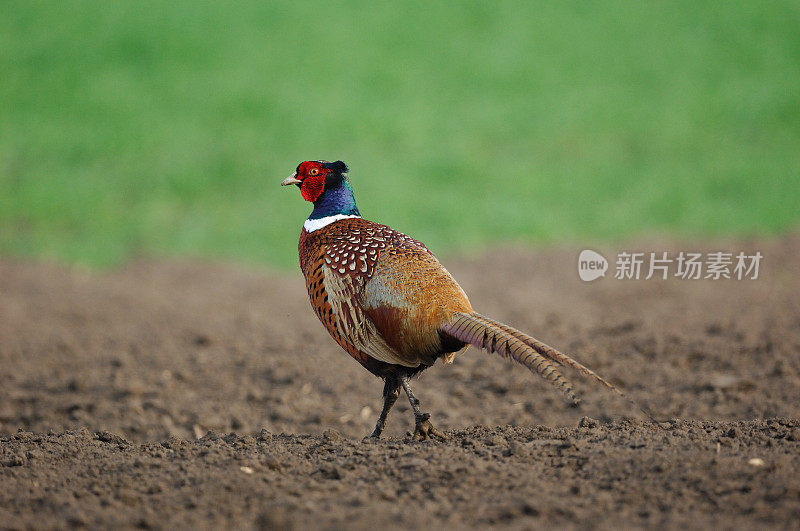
[727,381]
[733,433]
[201,340]
[494,440]
[107,436]
[210,436]
[15,460]
[271,462]
[756,461]
[329,471]
[330,435]
[588,422]
[172,442]
[246,469]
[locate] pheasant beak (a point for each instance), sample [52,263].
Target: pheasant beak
[292,179]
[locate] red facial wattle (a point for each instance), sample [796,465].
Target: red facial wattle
[312,187]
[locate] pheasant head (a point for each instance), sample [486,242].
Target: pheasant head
[314,176]
[325,184]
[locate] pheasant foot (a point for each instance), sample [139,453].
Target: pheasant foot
[424,430]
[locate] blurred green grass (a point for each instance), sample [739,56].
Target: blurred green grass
[163,128]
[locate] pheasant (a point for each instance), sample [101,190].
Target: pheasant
[389,303]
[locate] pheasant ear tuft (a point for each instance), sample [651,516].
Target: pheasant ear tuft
[338,166]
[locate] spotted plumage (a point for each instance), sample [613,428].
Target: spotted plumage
[371,301]
[389,303]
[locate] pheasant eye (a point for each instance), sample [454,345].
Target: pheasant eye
[313,171]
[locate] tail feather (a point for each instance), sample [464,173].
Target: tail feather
[510,343]
[495,337]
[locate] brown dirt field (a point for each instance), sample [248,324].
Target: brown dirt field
[183,394]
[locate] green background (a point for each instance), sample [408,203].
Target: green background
[134,129]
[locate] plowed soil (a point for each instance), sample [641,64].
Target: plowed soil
[186,394]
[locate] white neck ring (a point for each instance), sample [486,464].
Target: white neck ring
[315,224]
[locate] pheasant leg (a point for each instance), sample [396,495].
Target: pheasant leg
[423,429]
[391,391]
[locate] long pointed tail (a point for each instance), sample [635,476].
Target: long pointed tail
[510,343]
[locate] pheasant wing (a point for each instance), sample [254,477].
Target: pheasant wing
[352,323]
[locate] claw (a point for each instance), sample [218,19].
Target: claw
[424,430]
[376,433]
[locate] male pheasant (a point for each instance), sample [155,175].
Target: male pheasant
[390,304]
